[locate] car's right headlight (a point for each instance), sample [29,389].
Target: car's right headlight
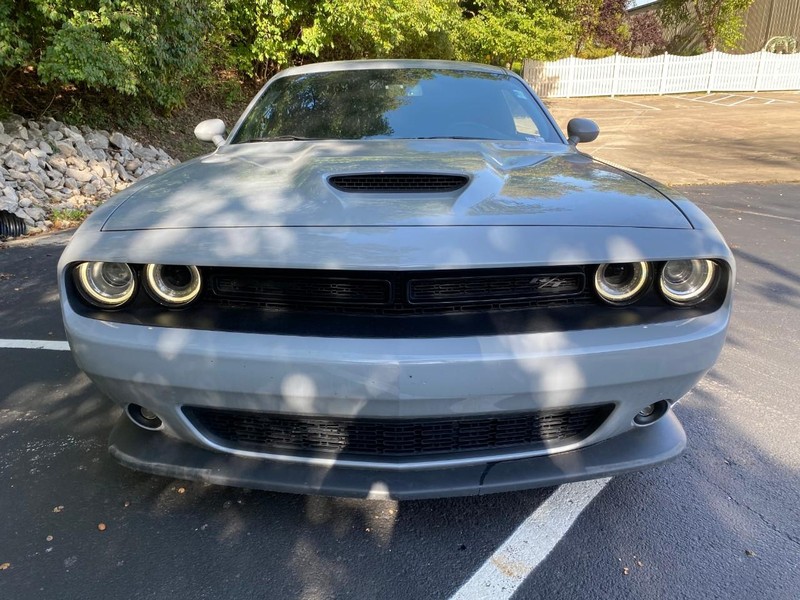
[105,284]
[687,282]
[172,285]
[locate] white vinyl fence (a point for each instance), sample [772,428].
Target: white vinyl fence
[664,74]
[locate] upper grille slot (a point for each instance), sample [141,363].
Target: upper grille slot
[494,288]
[398,182]
[276,289]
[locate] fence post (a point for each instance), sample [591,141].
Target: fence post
[615,75]
[663,83]
[570,76]
[760,70]
[711,71]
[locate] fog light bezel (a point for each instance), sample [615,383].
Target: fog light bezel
[136,414]
[659,409]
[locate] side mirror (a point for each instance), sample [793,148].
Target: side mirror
[582,130]
[211,130]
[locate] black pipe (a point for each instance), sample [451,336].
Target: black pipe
[11,225]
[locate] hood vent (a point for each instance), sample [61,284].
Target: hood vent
[398,183]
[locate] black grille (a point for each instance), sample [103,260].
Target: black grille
[398,182]
[394,437]
[405,293]
[285,290]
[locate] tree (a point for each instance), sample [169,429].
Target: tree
[647,33]
[505,31]
[720,21]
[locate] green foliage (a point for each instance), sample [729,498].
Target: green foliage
[397,28]
[153,51]
[503,31]
[134,47]
[720,22]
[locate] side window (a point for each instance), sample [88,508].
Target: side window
[523,122]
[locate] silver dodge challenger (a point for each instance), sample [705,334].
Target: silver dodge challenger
[396,279]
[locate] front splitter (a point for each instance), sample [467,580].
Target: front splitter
[154,452]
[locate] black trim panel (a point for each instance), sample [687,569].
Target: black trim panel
[584,311]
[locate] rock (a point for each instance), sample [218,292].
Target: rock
[15,160]
[32,160]
[8,205]
[58,163]
[35,213]
[36,180]
[96,140]
[123,174]
[84,176]
[49,165]
[10,193]
[18,145]
[84,151]
[100,168]
[73,133]
[66,148]
[54,182]
[120,141]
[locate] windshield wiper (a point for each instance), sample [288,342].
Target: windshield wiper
[280,138]
[452,137]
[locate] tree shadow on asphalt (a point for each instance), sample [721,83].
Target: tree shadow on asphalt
[719,522]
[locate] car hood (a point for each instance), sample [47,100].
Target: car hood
[286,184]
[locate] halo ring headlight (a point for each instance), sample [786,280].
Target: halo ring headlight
[687,282]
[621,283]
[172,285]
[105,284]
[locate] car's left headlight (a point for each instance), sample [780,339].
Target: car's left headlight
[687,282]
[105,284]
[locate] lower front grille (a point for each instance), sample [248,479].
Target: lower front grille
[281,434]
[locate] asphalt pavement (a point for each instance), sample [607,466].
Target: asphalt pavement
[722,521]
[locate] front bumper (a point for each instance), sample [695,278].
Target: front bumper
[165,369]
[162,455]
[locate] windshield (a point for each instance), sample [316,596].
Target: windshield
[396,104]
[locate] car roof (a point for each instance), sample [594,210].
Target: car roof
[359,65]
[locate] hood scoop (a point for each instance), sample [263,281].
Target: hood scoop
[398,183]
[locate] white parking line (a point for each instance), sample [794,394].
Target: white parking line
[529,545]
[34,344]
[647,106]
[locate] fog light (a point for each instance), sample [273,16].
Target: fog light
[144,417]
[647,411]
[651,413]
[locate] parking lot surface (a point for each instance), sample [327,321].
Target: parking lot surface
[695,138]
[722,521]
